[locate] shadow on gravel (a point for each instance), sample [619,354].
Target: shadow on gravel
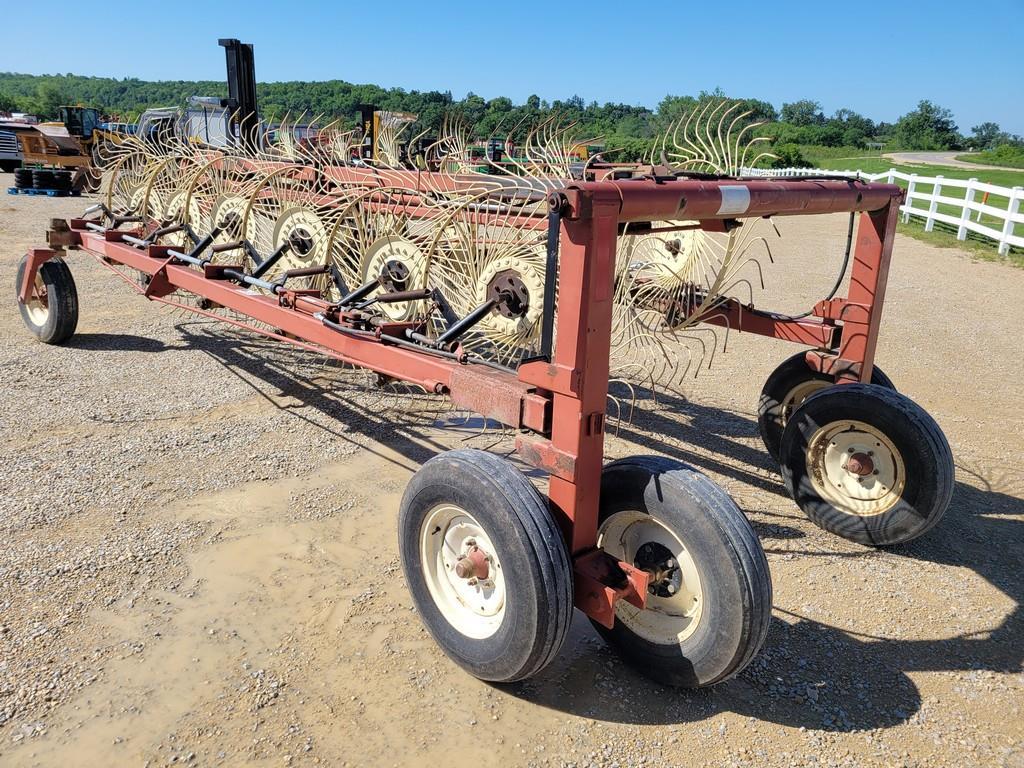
[819,676]
[808,674]
[114,342]
[311,379]
[714,429]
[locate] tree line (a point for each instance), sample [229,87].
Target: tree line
[629,129]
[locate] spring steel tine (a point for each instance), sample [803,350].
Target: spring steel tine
[618,412]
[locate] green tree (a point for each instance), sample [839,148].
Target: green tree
[802,113]
[988,135]
[7,103]
[49,96]
[927,127]
[788,156]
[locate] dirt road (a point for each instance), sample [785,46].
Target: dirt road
[199,557]
[948,159]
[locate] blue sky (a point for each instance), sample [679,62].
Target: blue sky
[876,58]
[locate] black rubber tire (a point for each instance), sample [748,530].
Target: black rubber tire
[23,178]
[42,179]
[926,455]
[528,543]
[62,181]
[734,572]
[771,415]
[62,302]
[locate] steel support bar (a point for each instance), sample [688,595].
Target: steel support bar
[650,200]
[492,393]
[868,279]
[36,258]
[578,375]
[805,330]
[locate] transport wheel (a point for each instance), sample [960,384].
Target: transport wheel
[51,312]
[788,386]
[486,564]
[710,598]
[868,464]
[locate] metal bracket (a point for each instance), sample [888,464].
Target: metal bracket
[601,581]
[36,258]
[541,453]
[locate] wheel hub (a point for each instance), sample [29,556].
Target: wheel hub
[463,572]
[473,565]
[860,464]
[401,265]
[394,276]
[300,241]
[657,560]
[856,468]
[511,294]
[231,225]
[675,602]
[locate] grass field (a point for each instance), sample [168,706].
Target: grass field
[852,159]
[1006,155]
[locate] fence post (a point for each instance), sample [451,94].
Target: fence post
[891,179]
[911,185]
[965,214]
[1012,208]
[929,223]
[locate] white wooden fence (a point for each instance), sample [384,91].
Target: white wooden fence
[970,203]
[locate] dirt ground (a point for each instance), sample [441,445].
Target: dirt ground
[199,556]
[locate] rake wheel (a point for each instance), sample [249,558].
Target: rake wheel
[496,252]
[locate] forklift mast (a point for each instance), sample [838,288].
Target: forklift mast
[241,100]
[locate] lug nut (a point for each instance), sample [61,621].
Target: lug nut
[671,588]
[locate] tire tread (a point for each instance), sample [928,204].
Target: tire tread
[743,540]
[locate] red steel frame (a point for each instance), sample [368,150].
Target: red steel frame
[559,405]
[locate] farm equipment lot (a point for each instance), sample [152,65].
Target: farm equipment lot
[200,561]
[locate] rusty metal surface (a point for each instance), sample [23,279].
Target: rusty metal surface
[705,200]
[539,452]
[868,278]
[600,581]
[36,258]
[491,393]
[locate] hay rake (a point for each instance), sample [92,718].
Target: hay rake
[520,298]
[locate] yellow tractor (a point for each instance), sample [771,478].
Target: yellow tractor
[64,143]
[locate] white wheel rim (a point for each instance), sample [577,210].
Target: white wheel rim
[668,619]
[856,468]
[473,606]
[37,306]
[796,396]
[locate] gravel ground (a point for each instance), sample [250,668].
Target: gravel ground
[199,560]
